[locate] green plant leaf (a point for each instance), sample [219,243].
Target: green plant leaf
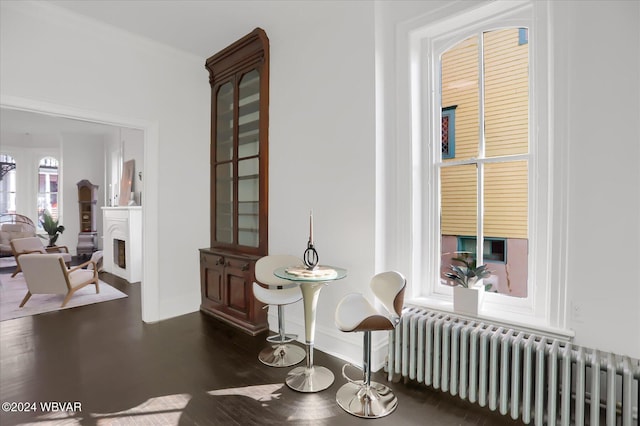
[51,227]
[463,274]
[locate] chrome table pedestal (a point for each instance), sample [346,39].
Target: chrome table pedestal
[310,378]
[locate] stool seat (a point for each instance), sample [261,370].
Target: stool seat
[284,296]
[359,315]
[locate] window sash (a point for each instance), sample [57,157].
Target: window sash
[48,186]
[427,45]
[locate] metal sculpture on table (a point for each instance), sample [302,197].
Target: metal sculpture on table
[310,256]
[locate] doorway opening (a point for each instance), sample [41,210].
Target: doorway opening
[48,112]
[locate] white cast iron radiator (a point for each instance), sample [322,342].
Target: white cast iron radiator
[536,379]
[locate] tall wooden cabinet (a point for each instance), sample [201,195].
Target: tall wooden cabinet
[87,201]
[239,78]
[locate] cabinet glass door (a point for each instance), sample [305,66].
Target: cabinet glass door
[224,169]
[237,161]
[248,159]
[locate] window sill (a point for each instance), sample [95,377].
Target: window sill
[513,320]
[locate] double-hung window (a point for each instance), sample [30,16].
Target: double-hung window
[483,190]
[7,184]
[476,84]
[48,188]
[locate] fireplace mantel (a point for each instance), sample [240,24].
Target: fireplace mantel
[122,228]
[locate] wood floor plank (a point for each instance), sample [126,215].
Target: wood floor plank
[189,370]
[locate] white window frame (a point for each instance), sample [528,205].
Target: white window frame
[10,189]
[48,194]
[419,44]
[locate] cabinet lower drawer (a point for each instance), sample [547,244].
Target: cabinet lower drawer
[226,286]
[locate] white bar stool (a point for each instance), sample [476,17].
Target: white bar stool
[280,292]
[364,398]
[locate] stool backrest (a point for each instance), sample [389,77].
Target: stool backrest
[389,288]
[267,264]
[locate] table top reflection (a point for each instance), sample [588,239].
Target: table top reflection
[300,273]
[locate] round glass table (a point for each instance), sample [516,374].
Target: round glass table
[310,378]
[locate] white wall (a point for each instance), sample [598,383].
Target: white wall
[122,144]
[321,150]
[82,158]
[602,76]
[133,140]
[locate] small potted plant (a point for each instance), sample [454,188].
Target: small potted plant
[51,227]
[469,287]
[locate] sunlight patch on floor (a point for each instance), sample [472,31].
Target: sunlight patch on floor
[312,408]
[261,393]
[162,410]
[167,410]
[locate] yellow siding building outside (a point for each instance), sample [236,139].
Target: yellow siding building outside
[506,126]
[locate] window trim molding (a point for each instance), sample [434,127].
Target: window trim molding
[545,308]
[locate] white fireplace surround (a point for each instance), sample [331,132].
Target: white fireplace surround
[123,223]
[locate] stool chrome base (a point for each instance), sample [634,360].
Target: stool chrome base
[368,402]
[309,379]
[281,339]
[282,355]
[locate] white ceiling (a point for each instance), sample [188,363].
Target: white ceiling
[22,122]
[200,27]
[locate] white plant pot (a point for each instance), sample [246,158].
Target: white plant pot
[468,300]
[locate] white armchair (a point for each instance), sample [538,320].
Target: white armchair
[22,246]
[47,274]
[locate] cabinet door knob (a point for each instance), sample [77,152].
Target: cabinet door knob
[245,267]
[220,261]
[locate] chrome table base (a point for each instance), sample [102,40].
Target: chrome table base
[369,402]
[310,378]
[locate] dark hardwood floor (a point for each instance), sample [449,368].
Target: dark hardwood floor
[189,370]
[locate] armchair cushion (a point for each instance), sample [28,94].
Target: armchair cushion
[21,246]
[30,244]
[47,274]
[43,275]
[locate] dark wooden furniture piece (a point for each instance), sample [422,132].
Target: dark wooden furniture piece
[87,201]
[239,78]
[227,293]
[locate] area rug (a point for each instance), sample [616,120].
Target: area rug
[7,262]
[12,291]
